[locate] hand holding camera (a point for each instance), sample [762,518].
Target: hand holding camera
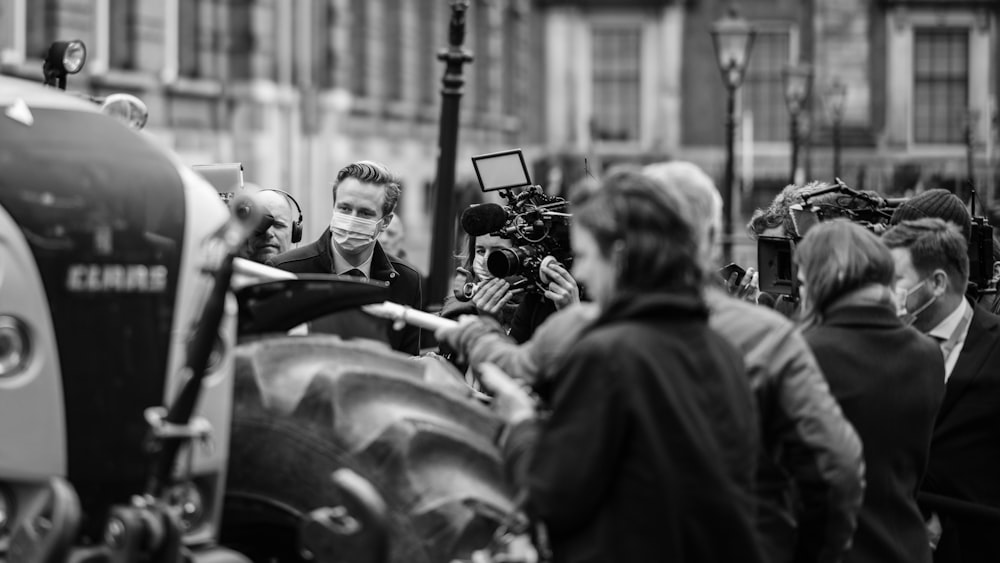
[491,296]
[562,289]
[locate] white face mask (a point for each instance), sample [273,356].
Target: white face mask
[479,268]
[903,295]
[353,233]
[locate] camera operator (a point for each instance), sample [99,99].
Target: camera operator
[809,447]
[518,306]
[777,221]
[932,270]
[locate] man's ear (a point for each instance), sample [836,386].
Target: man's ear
[386,219]
[939,282]
[996,269]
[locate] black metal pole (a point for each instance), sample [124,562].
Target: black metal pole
[730,179]
[443,240]
[970,153]
[794,130]
[836,148]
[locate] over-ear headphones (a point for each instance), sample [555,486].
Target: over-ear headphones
[296,224]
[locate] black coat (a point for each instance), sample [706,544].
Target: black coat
[889,381]
[965,451]
[402,279]
[649,452]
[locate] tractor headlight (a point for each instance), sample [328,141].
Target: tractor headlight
[15,346]
[71,55]
[127,108]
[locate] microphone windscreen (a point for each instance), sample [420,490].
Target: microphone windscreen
[483,219]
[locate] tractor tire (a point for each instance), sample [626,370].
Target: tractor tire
[306,406]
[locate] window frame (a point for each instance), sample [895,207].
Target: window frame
[641,25]
[915,31]
[766,147]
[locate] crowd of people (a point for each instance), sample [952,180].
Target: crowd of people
[655,411]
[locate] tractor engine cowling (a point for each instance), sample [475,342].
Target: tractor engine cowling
[101,281]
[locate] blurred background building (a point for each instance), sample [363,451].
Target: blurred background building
[296,89]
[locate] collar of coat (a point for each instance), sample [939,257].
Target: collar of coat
[381,269]
[655,305]
[866,306]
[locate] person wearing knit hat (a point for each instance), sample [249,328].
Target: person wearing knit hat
[935,203]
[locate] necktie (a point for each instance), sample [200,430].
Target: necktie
[355,273]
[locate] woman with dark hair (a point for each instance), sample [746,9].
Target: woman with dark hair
[887,377]
[507,300]
[648,453]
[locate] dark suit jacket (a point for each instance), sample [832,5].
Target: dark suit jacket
[965,451]
[402,279]
[889,381]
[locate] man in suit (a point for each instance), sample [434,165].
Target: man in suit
[961,491]
[364,198]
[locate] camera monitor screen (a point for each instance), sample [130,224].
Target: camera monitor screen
[503,170]
[776,267]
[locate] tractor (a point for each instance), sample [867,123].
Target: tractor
[153,406]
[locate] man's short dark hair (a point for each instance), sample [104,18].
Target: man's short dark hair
[933,243]
[371,172]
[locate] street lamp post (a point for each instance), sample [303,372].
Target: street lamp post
[733,39]
[797,81]
[834,99]
[455,58]
[970,118]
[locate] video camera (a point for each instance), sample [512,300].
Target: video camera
[537,224]
[775,254]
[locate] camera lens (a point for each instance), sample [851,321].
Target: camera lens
[503,262]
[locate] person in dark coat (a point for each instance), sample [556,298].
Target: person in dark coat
[887,377]
[649,451]
[961,493]
[810,470]
[364,198]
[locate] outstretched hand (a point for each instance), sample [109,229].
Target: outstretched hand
[510,400]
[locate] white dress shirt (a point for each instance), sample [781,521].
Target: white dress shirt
[341,266]
[951,332]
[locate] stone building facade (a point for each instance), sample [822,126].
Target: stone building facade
[648,87]
[296,89]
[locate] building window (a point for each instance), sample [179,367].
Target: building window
[122,34]
[481,67]
[325,61]
[41,27]
[763,92]
[359,47]
[189,23]
[940,84]
[393,54]
[616,81]
[511,79]
[428,66]
[241,39]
